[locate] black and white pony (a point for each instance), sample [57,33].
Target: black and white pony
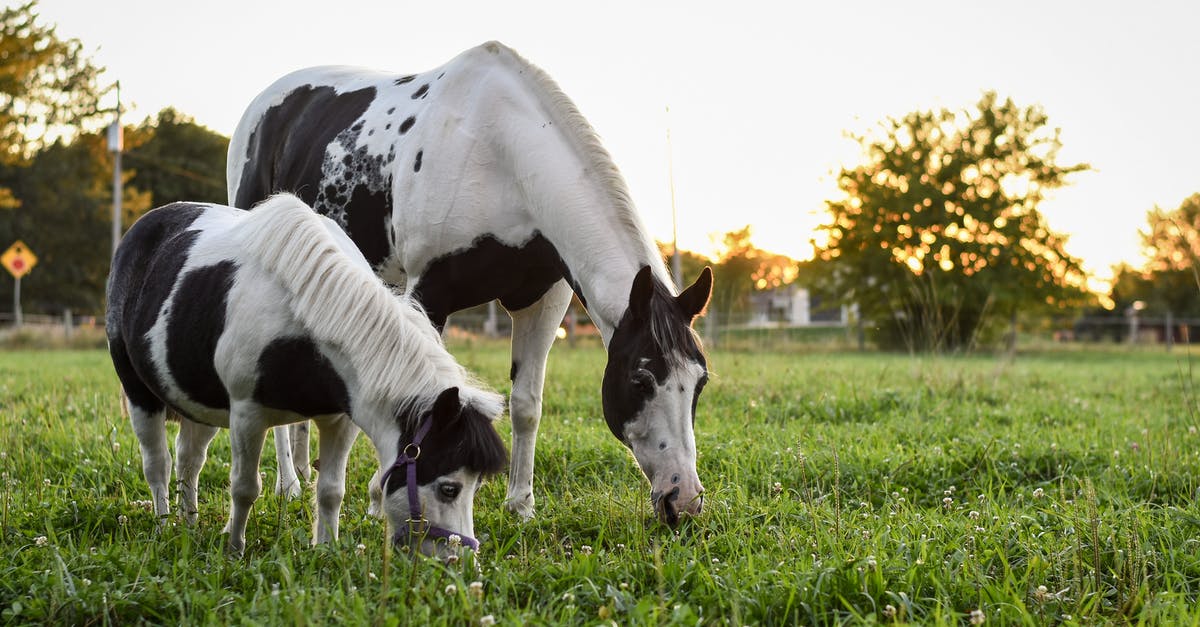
[250,320]
[480,180]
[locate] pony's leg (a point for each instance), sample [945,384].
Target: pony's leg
[533,334]
[246,437]
[151,430]
[376,492]
[337,435]
[286,481]
[299,439]
[191,451]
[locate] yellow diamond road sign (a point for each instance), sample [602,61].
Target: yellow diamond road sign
[18,259]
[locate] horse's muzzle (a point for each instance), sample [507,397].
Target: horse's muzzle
[669,505]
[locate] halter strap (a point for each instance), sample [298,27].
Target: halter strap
[417,525]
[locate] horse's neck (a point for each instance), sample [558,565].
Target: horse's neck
[583,208]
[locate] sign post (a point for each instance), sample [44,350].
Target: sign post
[19,260]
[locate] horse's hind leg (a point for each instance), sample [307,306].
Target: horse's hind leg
[286,481]
[191,450]
[150,426]
[533,334]
[337,435]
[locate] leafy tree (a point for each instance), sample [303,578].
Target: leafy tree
[939,226]
[65,218]
[47,87]
[1171,240]
[173,158]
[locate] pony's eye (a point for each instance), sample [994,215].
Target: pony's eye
[449,491]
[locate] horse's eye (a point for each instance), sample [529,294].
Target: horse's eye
[449,491]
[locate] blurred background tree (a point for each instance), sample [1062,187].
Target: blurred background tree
[1168,283]
[939,233]
[48,88]
[173,159]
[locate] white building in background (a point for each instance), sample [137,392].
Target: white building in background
[793,305]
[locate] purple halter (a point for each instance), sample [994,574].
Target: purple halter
[417,525]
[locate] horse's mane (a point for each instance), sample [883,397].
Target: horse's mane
[599,160]
[395,351]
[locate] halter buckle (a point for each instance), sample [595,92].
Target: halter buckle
[417,527]
[412,457]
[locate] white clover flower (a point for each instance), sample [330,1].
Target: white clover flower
[454,540]
[360,549]
[973,515]
[451,589]
[122,519]
[1039,493]
[947,502]
[45,481]
[41,540]
[451,559]
[585,549]
[568,597]
[487,620]
[475,589]
[86,581]
[1041,593]
[777,487]
[977,617]
[889,611]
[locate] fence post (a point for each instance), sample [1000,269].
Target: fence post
[67,323]
[1168,332]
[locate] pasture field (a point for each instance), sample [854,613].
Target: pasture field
[842,488]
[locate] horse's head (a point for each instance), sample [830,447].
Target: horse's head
[447,455]
[654,376]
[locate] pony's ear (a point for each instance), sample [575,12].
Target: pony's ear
[694,299]
[641,293]
[446,407]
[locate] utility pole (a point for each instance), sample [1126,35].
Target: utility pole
[676,262]
[116,142]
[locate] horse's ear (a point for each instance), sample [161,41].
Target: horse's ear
[446,406]
[641,293]
[694,299]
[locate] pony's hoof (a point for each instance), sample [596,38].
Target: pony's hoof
[522,506]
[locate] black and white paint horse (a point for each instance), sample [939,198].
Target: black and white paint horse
[480,180]
[250,320]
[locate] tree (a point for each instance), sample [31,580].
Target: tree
[741,268]
[173,159]
[1168,283]
[939,227]
[65,217]
[47,86]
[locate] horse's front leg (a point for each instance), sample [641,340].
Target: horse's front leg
[246,436]
[337,435]
[533,335]
[287,483]
[191,451]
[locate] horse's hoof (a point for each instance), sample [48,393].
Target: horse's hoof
[521,506]
[292,491]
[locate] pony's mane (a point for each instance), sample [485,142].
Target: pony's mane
[568,116]
[395,351]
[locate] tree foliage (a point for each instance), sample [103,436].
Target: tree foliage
[939,226]
[173,158]
[45,83]
[1169,282]
[65,218]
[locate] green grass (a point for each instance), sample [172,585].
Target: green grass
[842,488]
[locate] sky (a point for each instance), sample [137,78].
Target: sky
[760,95]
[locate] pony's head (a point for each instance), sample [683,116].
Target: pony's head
[653,379]
[446,454]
